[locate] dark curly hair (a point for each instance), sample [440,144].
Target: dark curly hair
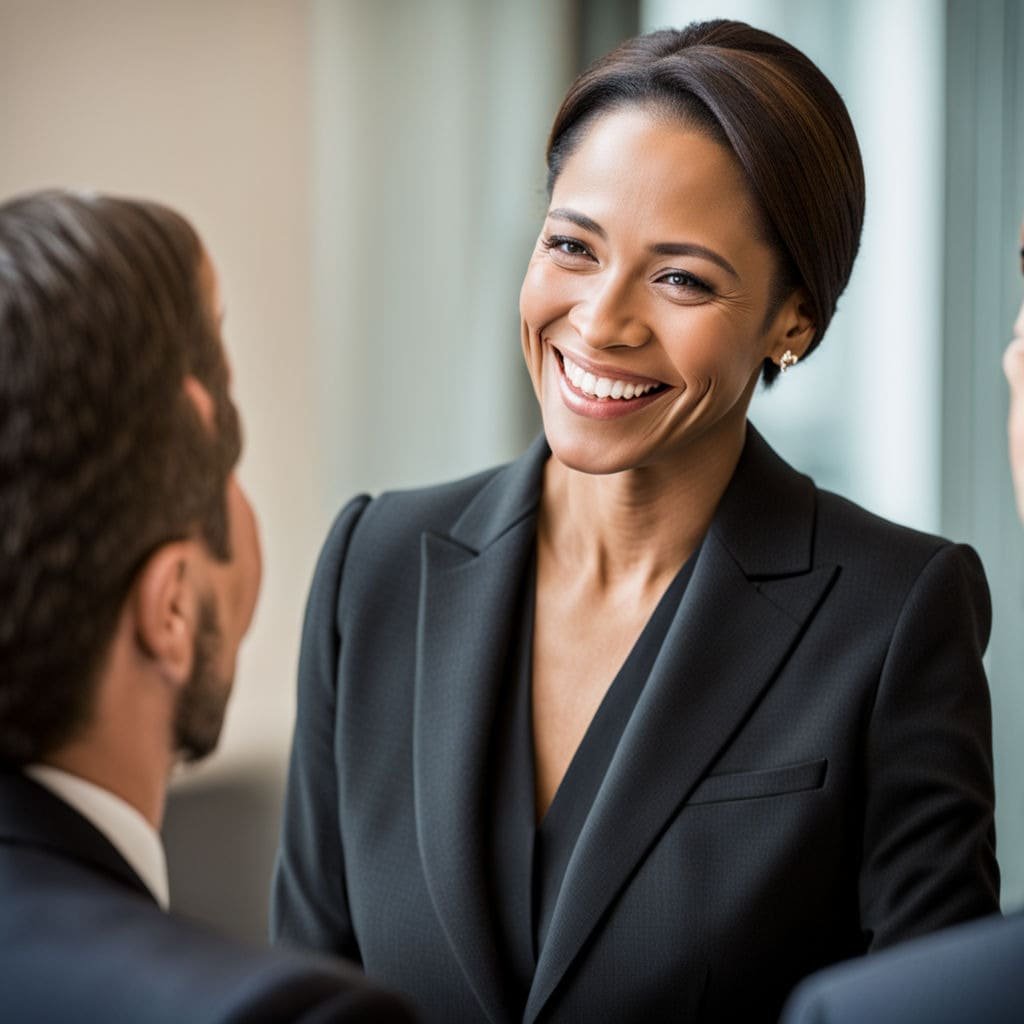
[783,120]
[103,457]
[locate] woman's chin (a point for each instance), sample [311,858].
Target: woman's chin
[586,452]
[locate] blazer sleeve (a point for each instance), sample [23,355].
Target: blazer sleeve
[309,902]
[928,858]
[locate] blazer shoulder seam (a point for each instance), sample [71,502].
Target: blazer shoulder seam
[942,547]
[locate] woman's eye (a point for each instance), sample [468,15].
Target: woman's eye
[681,279]
[565,246]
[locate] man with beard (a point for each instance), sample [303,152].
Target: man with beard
[961,975]
[129,572]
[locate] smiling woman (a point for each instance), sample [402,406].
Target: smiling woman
[645,725]
[662,283]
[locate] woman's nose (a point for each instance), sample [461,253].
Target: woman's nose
[609,316]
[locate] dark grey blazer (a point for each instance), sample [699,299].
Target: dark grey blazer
[81,939]
[972,974]
[806,775]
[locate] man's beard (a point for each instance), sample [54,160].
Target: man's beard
[203,700]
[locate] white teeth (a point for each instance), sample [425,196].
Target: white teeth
[602,387]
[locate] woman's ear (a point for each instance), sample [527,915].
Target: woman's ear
[165,604]
[793,328]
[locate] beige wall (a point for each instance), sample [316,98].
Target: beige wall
[203,104]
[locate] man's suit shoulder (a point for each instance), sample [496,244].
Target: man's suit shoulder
[256,984]
[78,942]
[113,955]
[964,974]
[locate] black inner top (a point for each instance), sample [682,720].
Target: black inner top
[528,860]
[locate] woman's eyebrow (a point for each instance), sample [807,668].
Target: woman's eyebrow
[579,219]
[692,249]
[661,249]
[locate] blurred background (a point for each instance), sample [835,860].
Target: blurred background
[368,177]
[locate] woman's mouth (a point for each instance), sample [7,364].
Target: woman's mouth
[605,387]
[603,396]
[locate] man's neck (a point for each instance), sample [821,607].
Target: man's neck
[142,783]
[125,745]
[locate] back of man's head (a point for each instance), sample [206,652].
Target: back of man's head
[106,324]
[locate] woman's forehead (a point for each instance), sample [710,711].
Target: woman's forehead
[657,178]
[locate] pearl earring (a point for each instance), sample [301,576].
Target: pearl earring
[789,358]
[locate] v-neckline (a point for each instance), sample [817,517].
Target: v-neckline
[605,727]
[556,834]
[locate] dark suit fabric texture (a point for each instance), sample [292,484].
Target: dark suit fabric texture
[83,941]
[971,974]
[806,774]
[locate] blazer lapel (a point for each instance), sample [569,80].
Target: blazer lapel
[467,611]
[751,595]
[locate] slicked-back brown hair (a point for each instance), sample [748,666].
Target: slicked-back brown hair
[783,120]
[103,456]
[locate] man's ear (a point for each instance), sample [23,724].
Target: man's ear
[202,400]
[793,328]
[165,603]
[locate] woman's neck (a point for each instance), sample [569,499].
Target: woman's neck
[639,526]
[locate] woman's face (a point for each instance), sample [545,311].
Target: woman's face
[645,300]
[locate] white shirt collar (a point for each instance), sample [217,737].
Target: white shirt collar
[126,829]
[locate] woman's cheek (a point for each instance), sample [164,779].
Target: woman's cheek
[534,297]
[705,357]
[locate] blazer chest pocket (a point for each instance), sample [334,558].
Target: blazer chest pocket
[791,778]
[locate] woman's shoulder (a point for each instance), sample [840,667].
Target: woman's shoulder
[893,568]
[436,508]
[791,510]
[850,533]
[468,510]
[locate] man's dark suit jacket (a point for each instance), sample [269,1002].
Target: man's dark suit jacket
[82,940]
[806,775]
[972,974]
